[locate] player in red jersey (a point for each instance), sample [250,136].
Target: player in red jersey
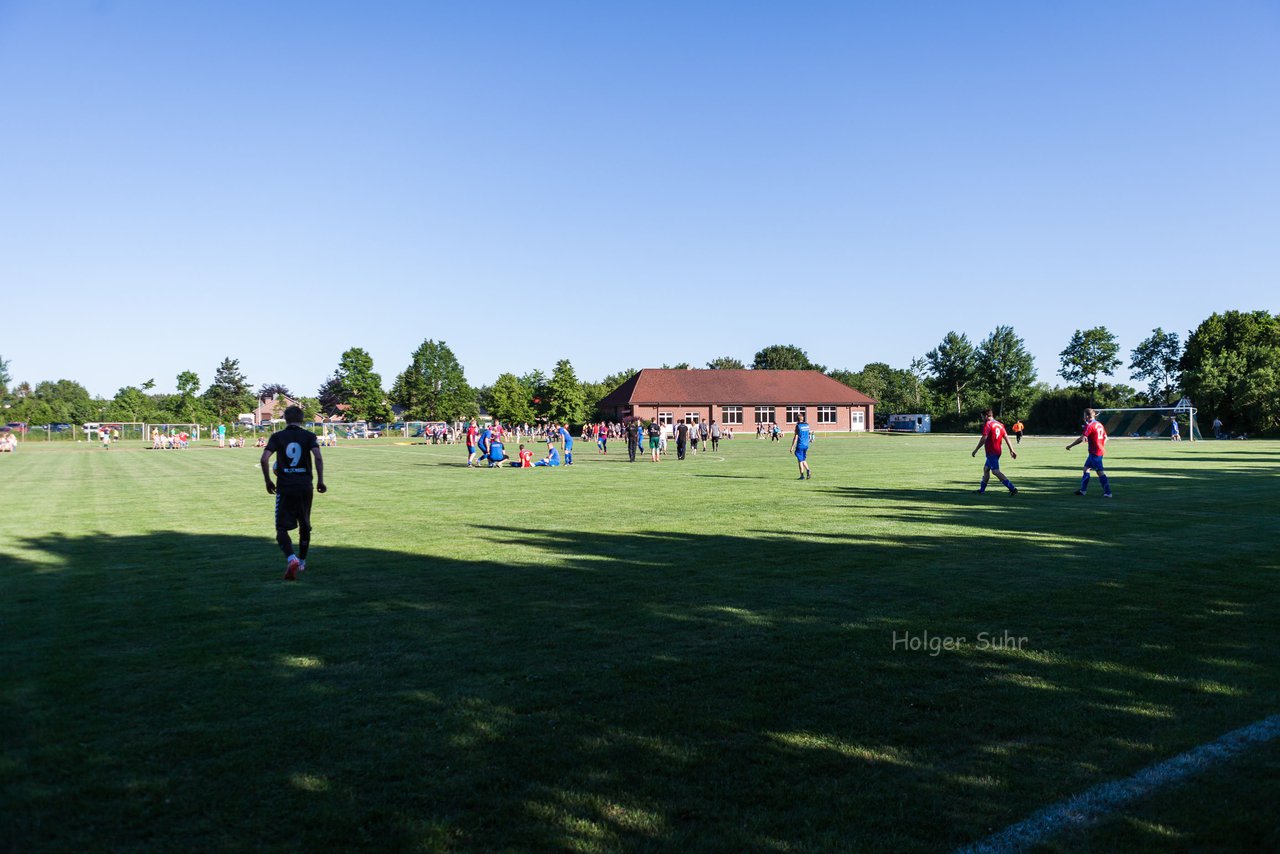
[472,433]
[1096,435]
[995,437]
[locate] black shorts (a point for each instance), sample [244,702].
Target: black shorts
[293,510]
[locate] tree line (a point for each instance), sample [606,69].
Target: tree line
[1229,366]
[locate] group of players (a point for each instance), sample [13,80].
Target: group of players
[297,453]
[995,438]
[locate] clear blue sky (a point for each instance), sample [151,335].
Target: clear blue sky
[621,184]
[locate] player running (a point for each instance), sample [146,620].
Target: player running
[995,437]
[294,448]
[800,447]
[1096,435]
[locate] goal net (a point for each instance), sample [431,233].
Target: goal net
[1152,422]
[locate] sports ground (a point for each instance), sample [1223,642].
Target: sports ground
[693,655]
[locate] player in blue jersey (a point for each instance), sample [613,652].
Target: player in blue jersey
[551,459]
[800,447]
[568,444]
[482,444]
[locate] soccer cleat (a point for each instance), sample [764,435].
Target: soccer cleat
[291,569]
[808,475]
[1079,492]
[302,566]
[1013,490]
[801,477]
[1106,495]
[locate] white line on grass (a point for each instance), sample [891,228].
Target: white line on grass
[1087,807]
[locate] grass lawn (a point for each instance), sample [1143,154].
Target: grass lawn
[688,655]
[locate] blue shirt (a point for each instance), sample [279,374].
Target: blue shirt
[554,459]
[566,438]
[802,435]
[483,441]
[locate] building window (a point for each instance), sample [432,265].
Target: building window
[764,414]
[826,415]
[795,414]
[664,418]
[691,418]
[731,414]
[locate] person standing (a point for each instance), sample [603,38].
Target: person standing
[1017,431]
[682,439]
[715,435]
[995,437]
[567,441]
[633,438]
[1096,435]
[800,447]
[472,434]
[655,439]
[1217,427]
[1175,435]
[295,450]
[704,433]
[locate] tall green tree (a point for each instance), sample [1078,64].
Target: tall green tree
[229,395]
[510,401]
[1156,360]
[434,386]
[357,386]
[130,404]
[1089,355]
[1006,371]
[186,407]
[565,403]
[66,401]
[953,366]
[1231,369]
[784,357]
[725,363]
[5,379]
[536,382]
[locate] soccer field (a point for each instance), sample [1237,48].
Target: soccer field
[707,654]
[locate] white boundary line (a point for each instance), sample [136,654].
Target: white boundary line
[1087,807]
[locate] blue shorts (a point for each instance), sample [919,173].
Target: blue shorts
[993,462]
[801,453]
[1092,462]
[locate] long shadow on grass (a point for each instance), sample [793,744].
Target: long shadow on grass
[720,690]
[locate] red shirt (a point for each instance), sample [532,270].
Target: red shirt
[993,432]
[526,459]
[1097,436]
[472,431]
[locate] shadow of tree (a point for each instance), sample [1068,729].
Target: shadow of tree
[724,691]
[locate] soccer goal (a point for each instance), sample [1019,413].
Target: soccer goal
[192,430]
[1151,422]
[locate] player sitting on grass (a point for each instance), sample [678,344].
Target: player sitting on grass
[995,437]
[551,459]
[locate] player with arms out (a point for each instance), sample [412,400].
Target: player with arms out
[995,437]
[800,447]
[1096,435]
[294,448]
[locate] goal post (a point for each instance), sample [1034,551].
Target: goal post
[1151,422]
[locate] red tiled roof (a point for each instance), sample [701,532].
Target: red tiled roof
[705,386]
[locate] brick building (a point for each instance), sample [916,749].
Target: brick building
[741,399]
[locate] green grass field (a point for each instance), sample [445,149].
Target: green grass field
[679,656]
